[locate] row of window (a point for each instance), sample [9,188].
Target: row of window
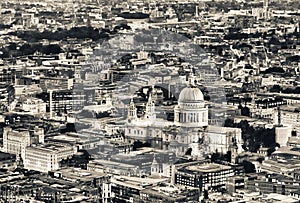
[191,117]
[136,132]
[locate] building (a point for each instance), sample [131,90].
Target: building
[167,193]
[16,141]
[50,83]
[28,20]
[288,116]
[282,135]
[272,183]
[34,106]
[203,175]
[113,167]
[287,153]
[281,165]
[59,102]
[46,157]
[7,95]
[148,161]
[220,139]
[235,183]
[190,128]
[7,75]
[7,161]
[128,189]
[98,182]
[295,194]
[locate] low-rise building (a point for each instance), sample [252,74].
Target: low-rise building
[272,183]
[134,189]
[169,193]
[34,106]
[280,166]
[220,139]
[7,161]
[48,83]
[99,182]
[235,183]
[295,194]
[289,116]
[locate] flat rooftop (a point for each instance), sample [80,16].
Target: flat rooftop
[207,168]
[80,174]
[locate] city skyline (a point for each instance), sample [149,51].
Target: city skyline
[150,101]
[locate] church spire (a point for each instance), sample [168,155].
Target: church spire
[155,168]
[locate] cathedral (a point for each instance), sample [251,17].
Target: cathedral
[190,130]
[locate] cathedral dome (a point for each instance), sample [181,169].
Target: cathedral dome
[190,94]
[191,110]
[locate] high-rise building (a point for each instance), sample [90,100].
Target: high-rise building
[16,141]
[63,101]
[7,75]
[7,94]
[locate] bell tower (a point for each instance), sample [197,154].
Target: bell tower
[234,151]
[150,109]
[132,111]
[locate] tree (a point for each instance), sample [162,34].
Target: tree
[26,49]
[205,194]
[274,70]
[51,49]
[138,144]
[275,88]
[245,111]
[229,123]
[189,151]
[248,167]
[244,125]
